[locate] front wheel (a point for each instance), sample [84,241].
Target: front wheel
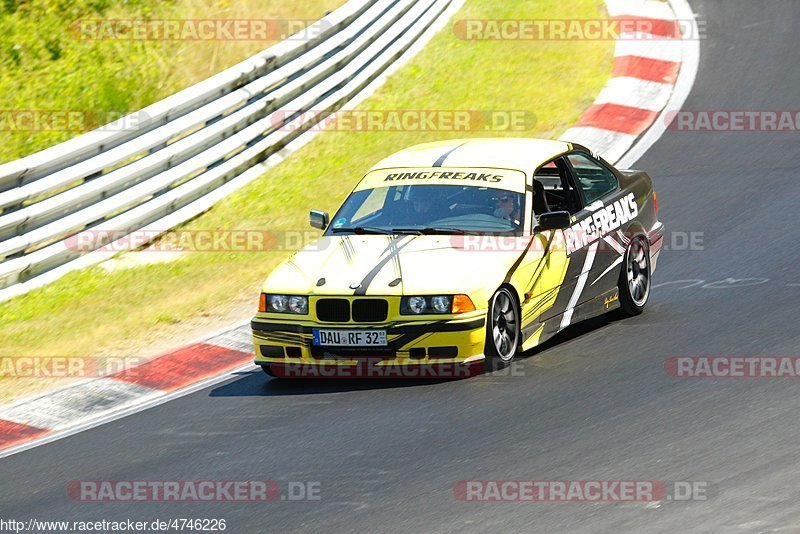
[268,369]
[502,329]
[634,280]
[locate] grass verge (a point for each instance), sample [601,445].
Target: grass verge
[45,67]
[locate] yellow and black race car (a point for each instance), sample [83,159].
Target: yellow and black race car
[449,254]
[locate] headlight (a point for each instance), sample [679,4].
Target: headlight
[436,304]
[277,303]
[415,304]
[286,304]
[298,305]
[426,305]
[440,304]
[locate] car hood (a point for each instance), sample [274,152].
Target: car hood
[395,265]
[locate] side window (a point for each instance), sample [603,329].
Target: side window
[559,194]
[594,179]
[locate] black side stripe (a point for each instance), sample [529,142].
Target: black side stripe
[410,334]
[533,312]
[439,162]
[536,275]
[282,337]
[514,267]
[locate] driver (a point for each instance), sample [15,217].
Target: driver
[506,208]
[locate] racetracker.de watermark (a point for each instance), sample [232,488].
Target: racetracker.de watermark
[733,120]
[579,490]
[197,29]
[376,368]
[406,120]
[573,240]
[733,366]
[68,120]
[67,366]
[219,240]
[245,240]
[193,490]
[608,29]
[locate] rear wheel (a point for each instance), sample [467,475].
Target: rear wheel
[634,280]
[502,329]
[268,369]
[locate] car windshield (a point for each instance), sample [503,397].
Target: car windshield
[423,209]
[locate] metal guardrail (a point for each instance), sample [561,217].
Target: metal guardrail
[184,148]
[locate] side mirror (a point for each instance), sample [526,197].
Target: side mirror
[318,219]
[554,220]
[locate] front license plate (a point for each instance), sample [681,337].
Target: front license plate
[350,338]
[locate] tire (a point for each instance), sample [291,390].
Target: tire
[503,335]
[268,369]
[634,277]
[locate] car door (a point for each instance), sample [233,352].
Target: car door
[595,232]
[550,274]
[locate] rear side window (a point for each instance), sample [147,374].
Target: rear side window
[594,178]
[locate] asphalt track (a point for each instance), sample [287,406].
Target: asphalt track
[594,404]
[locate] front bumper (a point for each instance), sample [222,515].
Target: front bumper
[447,348]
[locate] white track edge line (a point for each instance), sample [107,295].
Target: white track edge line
[123,411]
